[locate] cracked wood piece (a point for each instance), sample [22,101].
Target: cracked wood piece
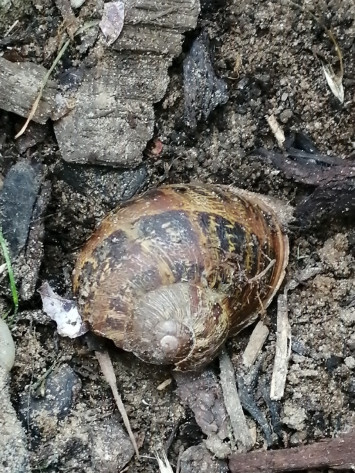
[337,453]
[139,38]
[142,17]
[19,86]
[283,350]
[113,118]
[180,16]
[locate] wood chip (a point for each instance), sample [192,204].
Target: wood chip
[233,405]
[334,81]
[255,344]
[276,130]
[164,384]
[283,350]
[163,462]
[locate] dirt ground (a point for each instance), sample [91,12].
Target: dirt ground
[265,53]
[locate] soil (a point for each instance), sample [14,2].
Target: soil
[265,52]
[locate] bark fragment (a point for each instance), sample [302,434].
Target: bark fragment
[19,86]
[113,118]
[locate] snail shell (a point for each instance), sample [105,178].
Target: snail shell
[172,274]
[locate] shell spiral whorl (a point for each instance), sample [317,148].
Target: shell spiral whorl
[172,274]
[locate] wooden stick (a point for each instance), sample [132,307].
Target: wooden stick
[233,405]
[283,350]
[332,453]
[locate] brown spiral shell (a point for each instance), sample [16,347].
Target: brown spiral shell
[172,274]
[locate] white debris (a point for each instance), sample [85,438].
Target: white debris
[112,21]
[334,81]
[63,311]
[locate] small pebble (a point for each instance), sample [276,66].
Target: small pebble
[297,439]
[284,97]
[350,362]
[42,414]
[111,448]
[348,316]
[198,459]
[294,416]
[203,90]
[351,342]
[7,346]
[76,3]
[286,115]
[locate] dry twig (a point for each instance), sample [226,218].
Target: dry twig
[337,453]
[109,374]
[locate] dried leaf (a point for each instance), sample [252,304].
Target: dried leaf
[334,81]
[112,21]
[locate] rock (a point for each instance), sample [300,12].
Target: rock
[42,414]
[111,448]
[202,393]
[113,185]
[294,416]
[199,460]
[7,347]
[286,115]
[13,452]
[350,362]
[348,316]
[19,194]
[24,200]
[351,342]
[203,90]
